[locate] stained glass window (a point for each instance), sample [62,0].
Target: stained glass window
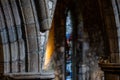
[68,55]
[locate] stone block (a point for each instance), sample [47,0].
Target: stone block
[22,65]
[32,45]
[21,48]
[4,67]
[31,38]
[6,53]
[44,15]
[7,12]
[4,37]
[33,62]
[2,21]
[19,32]
[21,56]
[14,56]
[31,29]
[46,24]
[14,65]
[14,50]
[15,12]
[12,34]
[27,11]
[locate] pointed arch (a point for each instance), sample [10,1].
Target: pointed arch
[4,46]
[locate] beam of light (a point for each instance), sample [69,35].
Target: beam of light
[49,48]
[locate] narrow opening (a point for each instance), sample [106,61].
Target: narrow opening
[69,47]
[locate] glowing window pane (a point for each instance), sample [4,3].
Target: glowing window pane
[68,47]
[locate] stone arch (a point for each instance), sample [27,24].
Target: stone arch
[11,34]
[20,24]
[4,47]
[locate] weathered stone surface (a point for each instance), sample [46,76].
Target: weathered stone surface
[12,34]
[15,12]
[32,48]
[43,14]
[4,38]
[4,67]
[21,47]
[7,12]
[27,11]
[6,54]
[118,4]
[31,29]
[31,38]
[4,59]
[21,56]
[37,35]
[33,62]
[2,21]
[19,32]
[4,47]
[14,56]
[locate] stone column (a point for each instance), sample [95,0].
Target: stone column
[41,38]
[40,51]
[31,39]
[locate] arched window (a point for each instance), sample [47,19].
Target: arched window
[69,47]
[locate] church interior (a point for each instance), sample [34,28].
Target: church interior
[59,39]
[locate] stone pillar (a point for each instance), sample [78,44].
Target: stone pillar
[11,35]
[31,39]
[40,51]
[41,38]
